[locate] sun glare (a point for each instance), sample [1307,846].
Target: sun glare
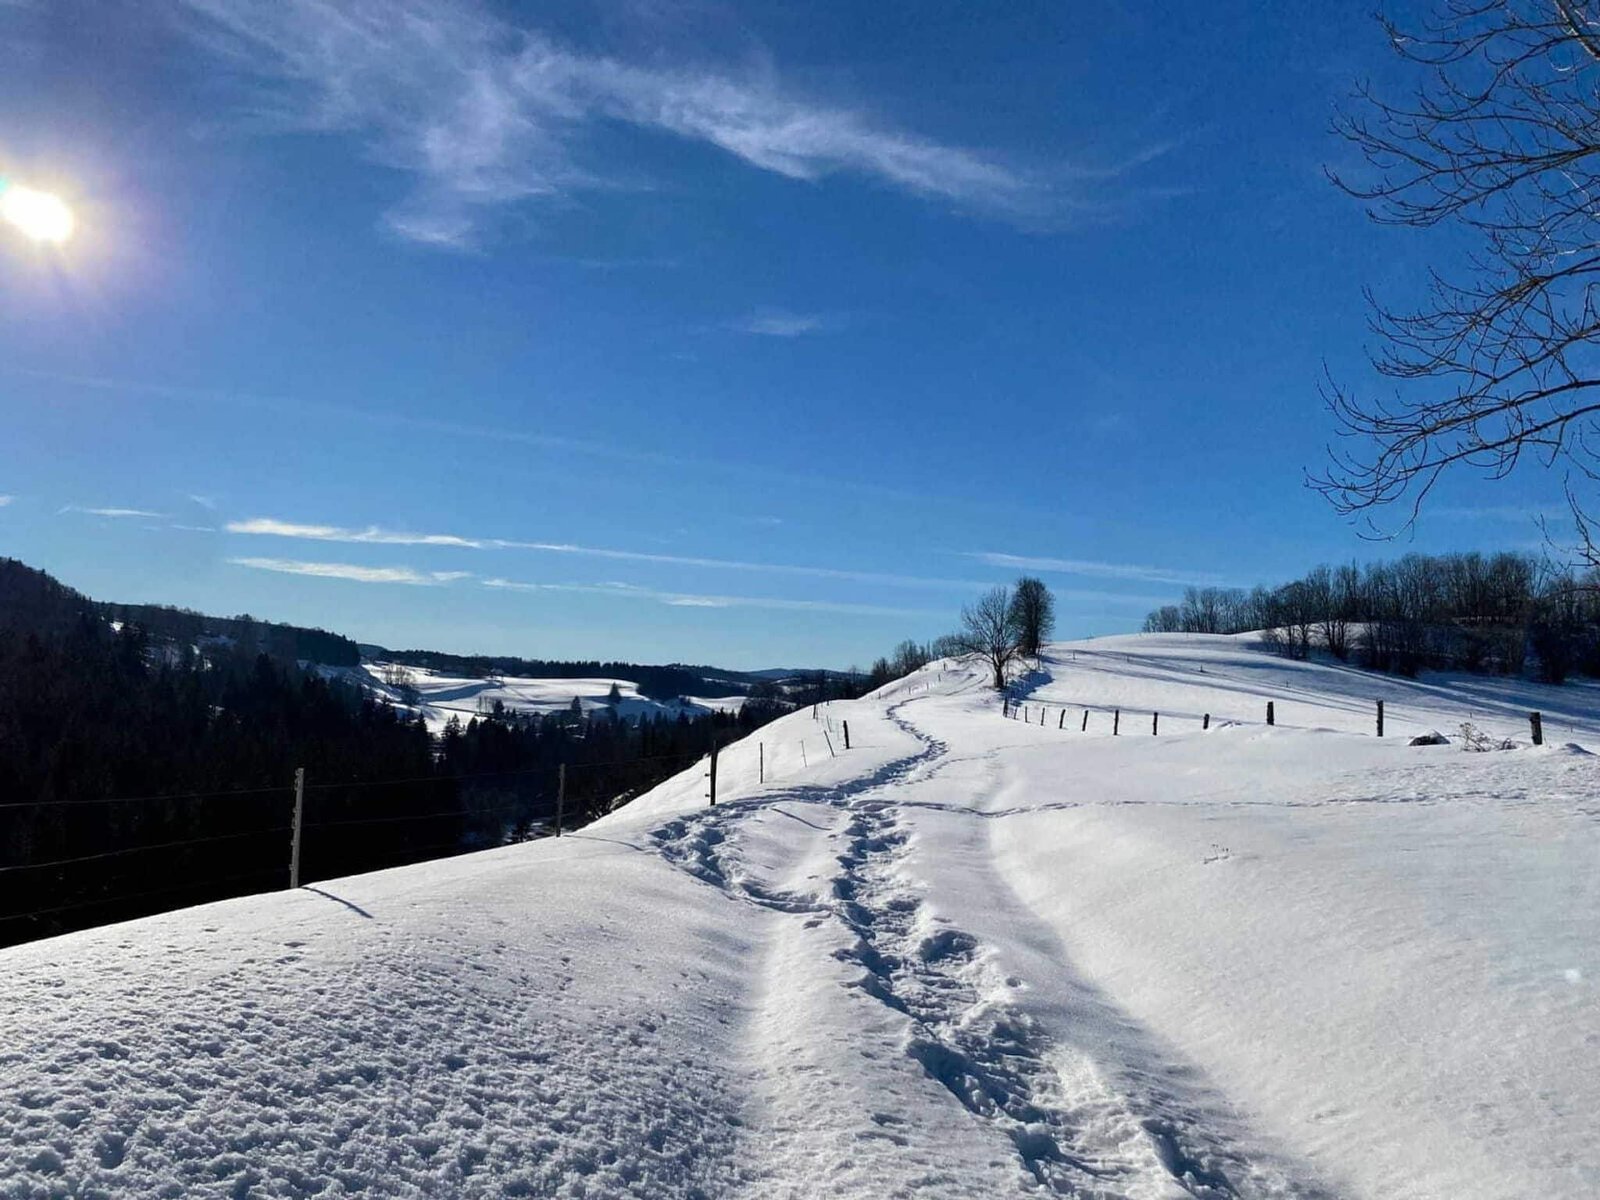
[36,215]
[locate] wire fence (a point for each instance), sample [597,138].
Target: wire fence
[1076,717]
[71,863]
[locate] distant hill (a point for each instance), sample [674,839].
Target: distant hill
[33,601]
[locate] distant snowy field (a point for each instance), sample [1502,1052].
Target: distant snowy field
[967,957]
[441,696]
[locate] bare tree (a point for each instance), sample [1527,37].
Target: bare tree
[987,630]
[1503,138]
[1033,615]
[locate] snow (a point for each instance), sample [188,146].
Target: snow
[968,956]
[440,696]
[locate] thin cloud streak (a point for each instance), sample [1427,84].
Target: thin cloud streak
[279,404]
[765,474]
[693,600]
[484,113]
[373,535]
[779,324]
[1103,570]
[5,500]
[115,513]
[350,571]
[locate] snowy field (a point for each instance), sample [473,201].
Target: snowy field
[441,696]
[968,957]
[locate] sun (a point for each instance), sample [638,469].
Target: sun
[40,216]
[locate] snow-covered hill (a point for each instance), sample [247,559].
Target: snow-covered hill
[438,696]
[969,956]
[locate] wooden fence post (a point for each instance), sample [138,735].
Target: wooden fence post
[1380,718]
[299,821]
[713,771]
[1085,728]
[1205,722]
[829,740]
[1155,723]
[561,797]
[1062,724]
[1536,720]
[847,735]
[1270,719]
[1116,722]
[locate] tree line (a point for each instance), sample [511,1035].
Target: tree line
[157,774]
[1501,613]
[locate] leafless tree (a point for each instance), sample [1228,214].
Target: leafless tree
[1503,138]
[988,631]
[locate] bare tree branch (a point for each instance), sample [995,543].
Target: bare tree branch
[1502,138]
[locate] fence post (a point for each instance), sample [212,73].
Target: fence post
[1380,718]
[299,820]
[1085,728]
[1270,718]
[1155,723]
[713,773]
[761,749]
[1536,720]
[1205,722]
[1062,724]
[1116,722]
[847,735]
[561,797]
[831,752]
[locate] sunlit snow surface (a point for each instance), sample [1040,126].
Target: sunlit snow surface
[968,957]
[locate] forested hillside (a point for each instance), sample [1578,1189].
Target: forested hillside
[141,770]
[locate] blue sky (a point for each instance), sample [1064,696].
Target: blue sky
[752,333]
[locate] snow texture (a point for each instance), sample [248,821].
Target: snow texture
[970,956]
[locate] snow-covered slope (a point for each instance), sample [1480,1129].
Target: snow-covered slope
[438,696]
[967,957]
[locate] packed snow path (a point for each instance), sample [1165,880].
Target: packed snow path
[968,957]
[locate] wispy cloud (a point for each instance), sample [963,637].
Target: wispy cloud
[372,535]
[1099,570]
[695,600]
[5,500]
[203,501]
[350,571]
[485,113]
[779,324]
[116,513]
